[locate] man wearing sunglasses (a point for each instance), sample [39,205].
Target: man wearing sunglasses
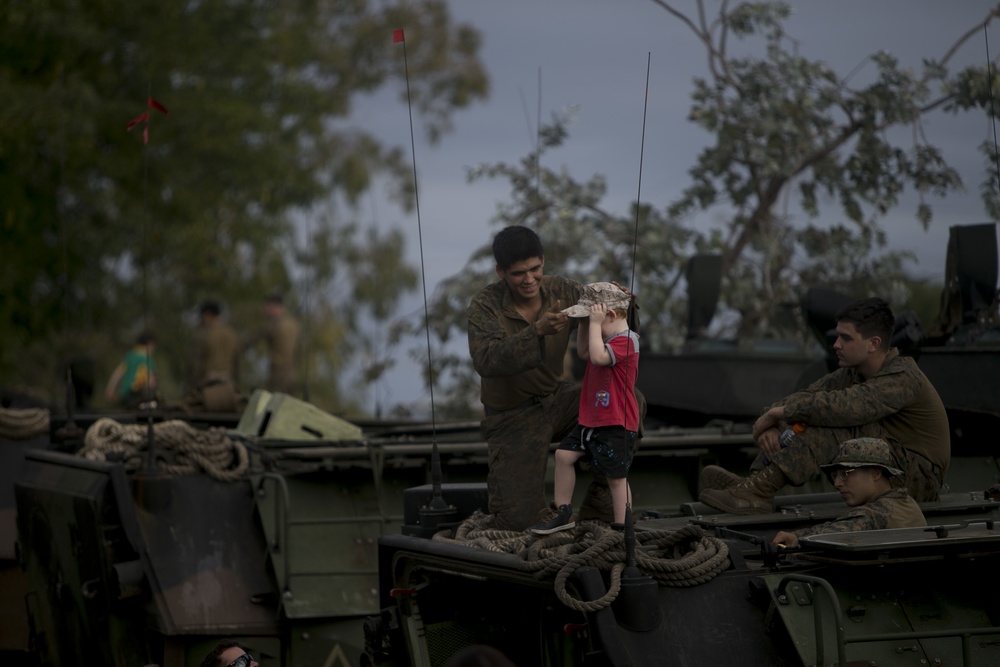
[228,653]
[862,473]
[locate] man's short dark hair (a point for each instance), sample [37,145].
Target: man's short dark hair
[210,308]
[515,244]
[145,337]
[871,317]
[212,659]
[276,298]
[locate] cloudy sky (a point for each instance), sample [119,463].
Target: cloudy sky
[592,54]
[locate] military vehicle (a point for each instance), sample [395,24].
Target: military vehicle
[328,544]
[691,586]
[128,561]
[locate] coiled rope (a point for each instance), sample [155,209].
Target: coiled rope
[180,448]
[679,558]
[23,423]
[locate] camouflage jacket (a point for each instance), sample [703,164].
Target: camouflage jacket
[893,509]
[899,397]
[514,363]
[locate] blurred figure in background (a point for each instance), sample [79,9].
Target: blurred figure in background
[281,332]
[133,381]
[214,363]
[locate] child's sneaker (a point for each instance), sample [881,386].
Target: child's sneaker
[554,520]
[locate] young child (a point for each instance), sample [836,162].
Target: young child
[608,422]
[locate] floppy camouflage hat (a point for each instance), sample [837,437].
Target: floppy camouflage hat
[593,293]
[864,452]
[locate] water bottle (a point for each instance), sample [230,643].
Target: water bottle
[787,437]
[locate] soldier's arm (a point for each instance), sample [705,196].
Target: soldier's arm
[495,353]
[865,517]
[861,403]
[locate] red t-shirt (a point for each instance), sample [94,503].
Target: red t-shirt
[608,394]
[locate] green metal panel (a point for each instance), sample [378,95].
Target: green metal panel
[280,417]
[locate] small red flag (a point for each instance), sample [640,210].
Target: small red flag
[141,118]
[397,35]
[144,118]
[153,104]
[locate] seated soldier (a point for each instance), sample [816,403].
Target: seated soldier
[861,472]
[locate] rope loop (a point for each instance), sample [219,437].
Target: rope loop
[181,449]
[678,558]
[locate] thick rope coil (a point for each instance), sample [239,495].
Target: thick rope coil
[23,423]
[679,558]
[180,448]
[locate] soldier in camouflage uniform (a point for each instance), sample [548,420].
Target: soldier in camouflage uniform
[876,392]
[518,339]
[861,472]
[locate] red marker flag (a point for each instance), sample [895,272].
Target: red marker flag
[397,35]
[144,118]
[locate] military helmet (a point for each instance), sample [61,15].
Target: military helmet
[860,452]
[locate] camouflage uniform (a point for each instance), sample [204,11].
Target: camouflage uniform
[528,403]
[898,404]
[893,509]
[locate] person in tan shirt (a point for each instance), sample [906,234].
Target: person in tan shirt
[281,332]
[216,352]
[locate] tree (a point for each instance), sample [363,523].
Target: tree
[102,233]
[784,125]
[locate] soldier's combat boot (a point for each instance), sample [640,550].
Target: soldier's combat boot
[717,477]
[754,495]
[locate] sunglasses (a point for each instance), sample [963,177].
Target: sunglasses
[842,474]
[242,661]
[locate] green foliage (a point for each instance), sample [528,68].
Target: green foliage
[102,234]
[785,127]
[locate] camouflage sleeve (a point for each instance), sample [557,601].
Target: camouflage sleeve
[495,353]
[862,403]
[871,516]
[835,381]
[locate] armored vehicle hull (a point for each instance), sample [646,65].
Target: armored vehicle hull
[890,597]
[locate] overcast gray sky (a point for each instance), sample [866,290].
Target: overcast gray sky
[593,54]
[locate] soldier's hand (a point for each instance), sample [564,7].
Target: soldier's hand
[768,441]
[770,419]
[551,321]
[785,539]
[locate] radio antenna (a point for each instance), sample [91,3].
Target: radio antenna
[437,511]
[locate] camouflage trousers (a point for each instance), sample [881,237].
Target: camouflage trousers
[801,460]
[518,445]
[923,478]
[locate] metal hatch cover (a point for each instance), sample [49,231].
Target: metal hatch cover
[978,533]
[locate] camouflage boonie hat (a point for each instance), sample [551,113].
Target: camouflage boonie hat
[607,293]
[864,452]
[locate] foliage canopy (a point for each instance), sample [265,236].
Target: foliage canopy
[102,234]
[785,128]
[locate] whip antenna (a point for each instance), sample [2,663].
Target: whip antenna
[636,606]
[630,316]
[437,509]
[144,119]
